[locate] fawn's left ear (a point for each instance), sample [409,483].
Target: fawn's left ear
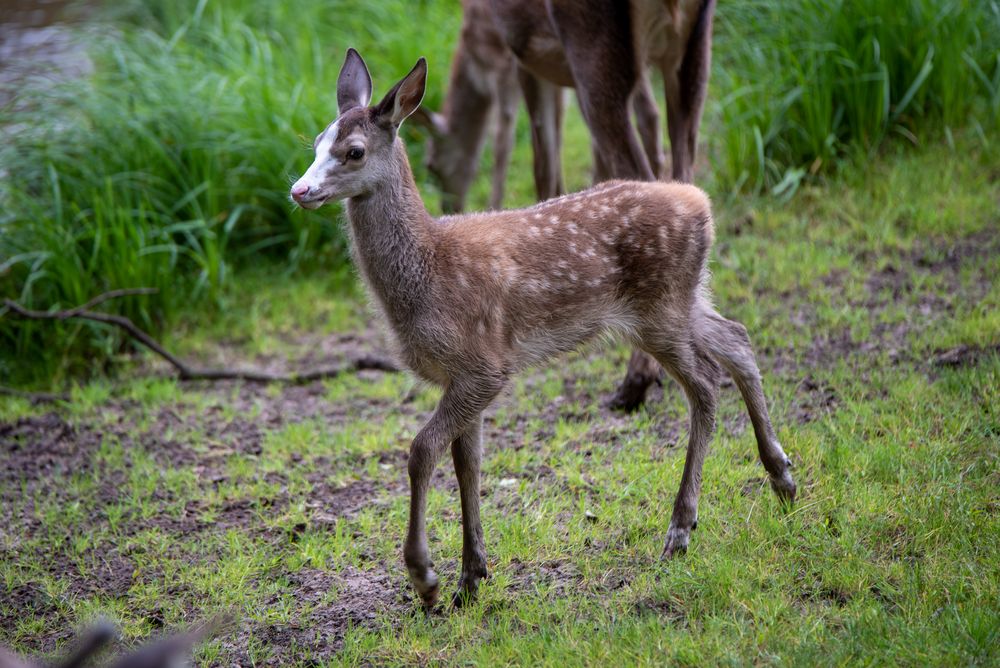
[404,98]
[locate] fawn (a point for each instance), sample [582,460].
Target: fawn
[473,299]
[603,49]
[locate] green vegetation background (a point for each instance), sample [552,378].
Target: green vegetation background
[168,167]
[852,158]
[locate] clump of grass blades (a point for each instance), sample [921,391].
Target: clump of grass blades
[168,165]
[800,84]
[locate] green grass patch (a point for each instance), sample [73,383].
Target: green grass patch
[153,502]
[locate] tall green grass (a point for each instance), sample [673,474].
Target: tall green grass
[168,167]
[800,85]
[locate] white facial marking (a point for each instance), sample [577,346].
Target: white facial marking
[322,162]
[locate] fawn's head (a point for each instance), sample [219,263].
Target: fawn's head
[355,152]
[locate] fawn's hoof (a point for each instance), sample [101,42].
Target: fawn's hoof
[426,586]
[677,542]
[784,485]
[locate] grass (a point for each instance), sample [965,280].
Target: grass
[161,502]
[167,167]
[824,80]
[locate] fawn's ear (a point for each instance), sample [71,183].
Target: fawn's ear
[404,98]
[354,86]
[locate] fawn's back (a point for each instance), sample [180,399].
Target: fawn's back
[519,286]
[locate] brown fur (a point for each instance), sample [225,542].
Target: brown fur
[474,299]
[482,87]
[600,47]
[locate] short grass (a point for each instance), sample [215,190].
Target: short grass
[154,503]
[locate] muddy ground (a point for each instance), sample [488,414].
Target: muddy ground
[41,450]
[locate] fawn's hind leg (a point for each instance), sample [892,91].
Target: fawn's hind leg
[729,343]
[698,375]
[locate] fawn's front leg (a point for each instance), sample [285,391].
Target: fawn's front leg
[467,453]
[457,413]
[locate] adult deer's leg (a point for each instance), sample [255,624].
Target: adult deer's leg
[597,41]
[544,102]
[460,406]
[685,85]
[503,142]
[466,451]
[647,117]
[642,372]
[698,375]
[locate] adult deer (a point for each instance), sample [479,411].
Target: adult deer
[602,48]
[485,84]
[482,87]
[474,299]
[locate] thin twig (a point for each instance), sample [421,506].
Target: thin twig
[186,371]
[34,397]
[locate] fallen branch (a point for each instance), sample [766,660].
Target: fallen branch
[33,397]
[185,371]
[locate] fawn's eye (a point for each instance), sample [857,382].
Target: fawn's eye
[355,153]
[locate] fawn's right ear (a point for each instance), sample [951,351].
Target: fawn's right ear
[354,86]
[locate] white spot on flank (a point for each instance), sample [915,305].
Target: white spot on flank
[554,220]
[572,228]
[533,230]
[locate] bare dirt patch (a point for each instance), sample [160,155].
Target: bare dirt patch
[334,602]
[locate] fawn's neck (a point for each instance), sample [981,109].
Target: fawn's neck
[391,230]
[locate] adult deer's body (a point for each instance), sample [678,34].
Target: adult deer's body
[482,87]
[473,299]
[602,48]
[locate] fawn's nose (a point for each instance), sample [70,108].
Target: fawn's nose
[299,190]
